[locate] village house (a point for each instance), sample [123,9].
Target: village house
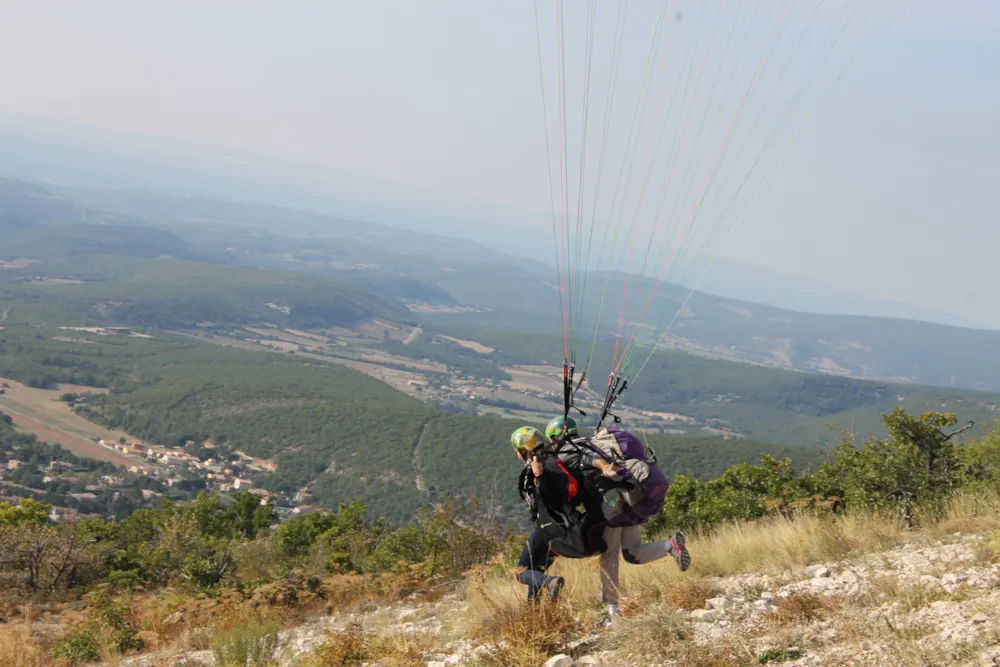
[57,513]
[244,458]
[242,483]
[263,494]
[82,496]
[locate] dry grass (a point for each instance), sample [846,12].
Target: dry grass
[19,648]
[356,645]
[803,607]
[171,621]
[778,547]
[527,634]
[732,650]
[690,593]
[655,635]
[778,544]
[519,633]
[966,512]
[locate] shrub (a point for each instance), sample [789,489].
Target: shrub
[247,645]
[110,629]
[918,466]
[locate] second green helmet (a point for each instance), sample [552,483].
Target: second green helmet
[559,427]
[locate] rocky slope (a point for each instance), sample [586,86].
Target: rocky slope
[926,602]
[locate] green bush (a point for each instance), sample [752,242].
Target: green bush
[110,629]
[249,645]
[918,465]
[81,646]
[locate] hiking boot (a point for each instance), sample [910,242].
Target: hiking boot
[554,587]
[609,618]
[679,551]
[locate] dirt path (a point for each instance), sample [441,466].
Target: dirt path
[415,459]
[413,336]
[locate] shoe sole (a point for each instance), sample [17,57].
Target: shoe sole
[554,591]
[683,558]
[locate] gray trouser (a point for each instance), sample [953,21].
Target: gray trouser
[628,540]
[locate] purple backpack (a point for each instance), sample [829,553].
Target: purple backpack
[641,503]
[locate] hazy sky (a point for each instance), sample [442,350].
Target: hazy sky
[890,188]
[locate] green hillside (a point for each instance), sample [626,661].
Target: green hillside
[25,205]
[507,293]
[348,435]
[170,293]
[760,403]
[68,240]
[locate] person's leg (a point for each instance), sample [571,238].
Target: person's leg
[609,569]
[536,581]
[534,561]
[637,553]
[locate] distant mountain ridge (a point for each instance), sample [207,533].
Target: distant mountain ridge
[503,291]
[746,281]
[58,153]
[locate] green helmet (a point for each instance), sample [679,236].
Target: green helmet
[528,438]
[559,427]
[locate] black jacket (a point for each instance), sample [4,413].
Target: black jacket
[566,508]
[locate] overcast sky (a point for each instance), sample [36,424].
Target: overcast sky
[890,188]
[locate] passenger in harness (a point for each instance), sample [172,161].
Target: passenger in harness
[625,506]
[565,507]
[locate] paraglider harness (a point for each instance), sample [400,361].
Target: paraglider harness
[554,501]
[558,520]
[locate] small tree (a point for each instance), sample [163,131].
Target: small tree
[979,462]
[916,465]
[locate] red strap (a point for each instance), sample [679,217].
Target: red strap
[572,481]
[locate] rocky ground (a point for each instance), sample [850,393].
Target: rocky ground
[923,603]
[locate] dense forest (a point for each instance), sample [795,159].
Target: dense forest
[345,434]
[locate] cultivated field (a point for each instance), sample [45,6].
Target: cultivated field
[40,412]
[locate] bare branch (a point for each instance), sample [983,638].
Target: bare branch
[961,430]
